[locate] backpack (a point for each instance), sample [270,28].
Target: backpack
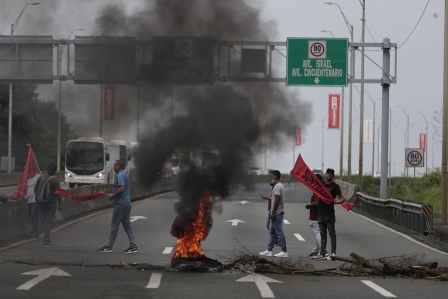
[43,194]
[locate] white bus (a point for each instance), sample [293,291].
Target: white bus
[90,160]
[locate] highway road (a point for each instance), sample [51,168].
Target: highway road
[72,268]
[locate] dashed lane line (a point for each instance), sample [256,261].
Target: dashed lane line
[377,288]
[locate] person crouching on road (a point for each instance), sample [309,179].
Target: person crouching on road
[122,210]
[277,212]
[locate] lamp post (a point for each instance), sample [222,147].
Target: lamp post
[407,134]
[62,48]
[341,141]
[13,28]
[426,142]
[349,156]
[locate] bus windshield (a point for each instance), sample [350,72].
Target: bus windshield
[85,157]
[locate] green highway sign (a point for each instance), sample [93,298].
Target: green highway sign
[317,62]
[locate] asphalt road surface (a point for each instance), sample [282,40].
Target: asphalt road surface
[72,268]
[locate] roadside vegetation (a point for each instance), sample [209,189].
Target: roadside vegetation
[427,188]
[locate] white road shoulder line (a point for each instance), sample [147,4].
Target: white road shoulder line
[401,234]
[167,250]
[298,236]
[154,281]
[377,288]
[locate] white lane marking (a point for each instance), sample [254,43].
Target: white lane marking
[167,250]
[135,218]
[298,236]
[401,234]
[42,274]
[262,284]
[235,221]
[154,281]
[243,202]
[285,221]
[377,288]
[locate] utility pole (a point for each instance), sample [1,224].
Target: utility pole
[361,106]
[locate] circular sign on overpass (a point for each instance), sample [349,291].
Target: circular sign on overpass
[414,157]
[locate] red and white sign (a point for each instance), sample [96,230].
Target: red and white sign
[109,102]
[334,111]
[298,138]
[423,141]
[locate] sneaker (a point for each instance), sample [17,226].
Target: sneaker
[132,249]
[312,254]
[332,254]
[266,253]
[46,245]
[105,249]
[281,254]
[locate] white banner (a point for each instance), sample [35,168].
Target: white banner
[368,131]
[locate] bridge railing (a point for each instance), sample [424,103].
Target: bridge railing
[405,213]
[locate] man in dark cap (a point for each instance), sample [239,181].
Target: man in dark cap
[327,217]
[48,209]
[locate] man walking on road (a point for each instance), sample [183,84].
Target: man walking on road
[277,212]
[327,217]
[122,210]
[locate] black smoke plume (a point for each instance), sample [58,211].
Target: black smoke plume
[231,122]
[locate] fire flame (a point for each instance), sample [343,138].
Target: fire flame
[192,230]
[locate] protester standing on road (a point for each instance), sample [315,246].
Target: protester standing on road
[268,220]
[312,206]
[277,212]
[48,209]
[33,209]
[327,217]
[122,210]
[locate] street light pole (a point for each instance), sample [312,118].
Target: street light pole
[373,135]
[341,142]
[62,48]
[407,136]
[294,138]
[349,155]
[13,28]
[426,142]
[361,106]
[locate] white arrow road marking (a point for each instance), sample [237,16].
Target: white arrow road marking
[243,202]
[235,221]
[154,281]
[135,218]
[298,236]
[167,250]
[378,288]
[42,274]
[285,221]
[262,284]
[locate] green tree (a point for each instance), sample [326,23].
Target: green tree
[33,121]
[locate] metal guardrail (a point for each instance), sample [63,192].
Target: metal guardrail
[405,213]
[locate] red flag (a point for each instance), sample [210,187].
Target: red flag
[79,197]
[304,174]
[31,169]
[347,205]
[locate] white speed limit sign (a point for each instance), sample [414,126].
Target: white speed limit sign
[317,49]
[414,157]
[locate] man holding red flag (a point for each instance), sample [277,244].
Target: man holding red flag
[327,217]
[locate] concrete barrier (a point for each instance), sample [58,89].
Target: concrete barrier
[15,222]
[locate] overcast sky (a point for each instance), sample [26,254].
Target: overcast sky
[420,66]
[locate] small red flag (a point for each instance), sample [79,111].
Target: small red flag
[31,169]
[347,205]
